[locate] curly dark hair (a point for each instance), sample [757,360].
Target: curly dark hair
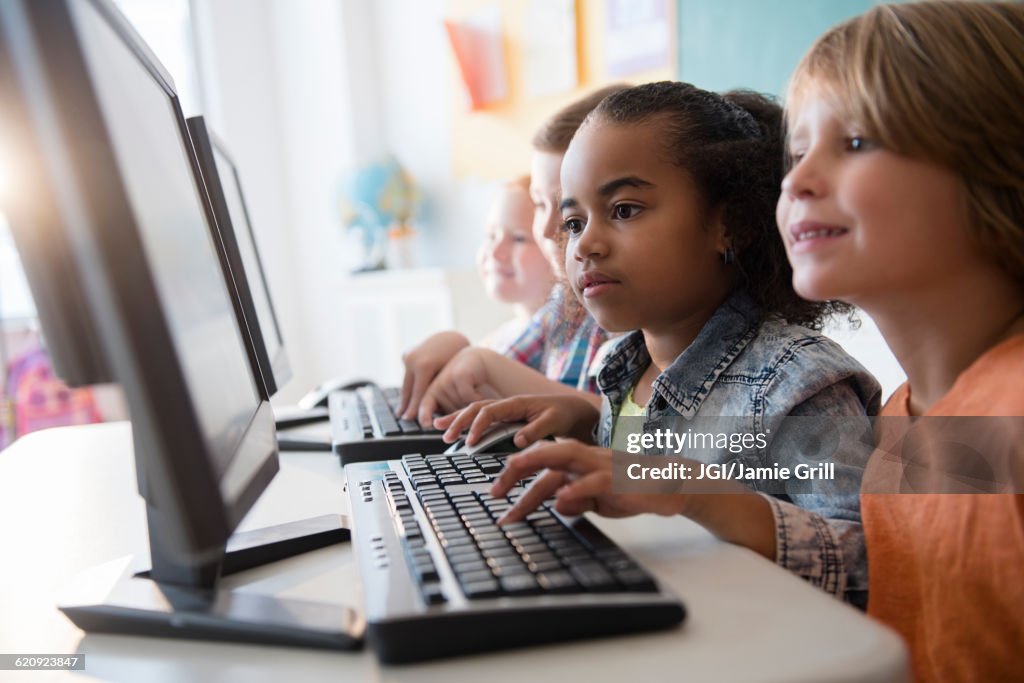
[732,145]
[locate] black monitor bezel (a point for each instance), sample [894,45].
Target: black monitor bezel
[274,372]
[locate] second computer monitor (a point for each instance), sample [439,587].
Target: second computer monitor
[240,257]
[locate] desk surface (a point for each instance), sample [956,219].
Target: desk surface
[68,501]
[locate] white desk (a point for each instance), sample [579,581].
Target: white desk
[68,501]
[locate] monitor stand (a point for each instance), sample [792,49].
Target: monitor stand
[114,599]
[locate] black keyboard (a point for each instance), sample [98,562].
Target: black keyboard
[365,426]
[441,578]
[435,472]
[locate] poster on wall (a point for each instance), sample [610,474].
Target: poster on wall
[479,52]
[549,47]
[639,36]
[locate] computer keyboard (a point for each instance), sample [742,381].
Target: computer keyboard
[365,426]
[441,578]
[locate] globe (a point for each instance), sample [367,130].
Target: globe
[376,198]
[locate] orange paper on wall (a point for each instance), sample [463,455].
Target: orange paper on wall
[477,44]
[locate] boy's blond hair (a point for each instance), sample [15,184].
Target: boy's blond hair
[942,82]
[555,134]
[520,182]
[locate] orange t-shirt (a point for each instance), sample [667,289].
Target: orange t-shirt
[947,570]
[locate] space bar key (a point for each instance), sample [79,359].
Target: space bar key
[410,427]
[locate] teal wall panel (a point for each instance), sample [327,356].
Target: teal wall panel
[753,44]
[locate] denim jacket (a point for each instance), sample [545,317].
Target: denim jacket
[760,373]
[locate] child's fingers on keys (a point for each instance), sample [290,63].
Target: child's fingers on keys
[515,470]
[406,393]
[443,421]
[419,386]
[538,428]
[464,420]
[446,422]
[428,405]
[539,491]
[564,456]
[581,492]
[575,506]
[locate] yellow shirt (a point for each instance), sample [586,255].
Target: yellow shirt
[622,428]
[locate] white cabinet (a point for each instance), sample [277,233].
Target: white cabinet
[385,313]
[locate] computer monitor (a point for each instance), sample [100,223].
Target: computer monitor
[240,257]
[113,179]
[303,429]
[77,353]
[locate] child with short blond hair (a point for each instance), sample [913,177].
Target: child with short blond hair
[906,198]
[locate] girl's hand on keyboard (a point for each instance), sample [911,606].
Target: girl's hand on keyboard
[546,415]
[580,478]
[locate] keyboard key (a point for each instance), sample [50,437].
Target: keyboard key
[543,566]
[410,427]
[636,580]
[518,584]
[432,594]
[506,562]
[593,576]
[459,554]
[425,572]
[487,588]
[557,581]
[476,575]
[463,566]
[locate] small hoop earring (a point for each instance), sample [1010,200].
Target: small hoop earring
[729,256]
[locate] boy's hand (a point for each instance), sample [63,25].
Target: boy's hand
[580,478]
[546,415]
[465,379]
[423,364]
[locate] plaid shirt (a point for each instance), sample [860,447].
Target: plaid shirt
[564,357]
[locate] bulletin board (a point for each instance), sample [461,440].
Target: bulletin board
[494,142]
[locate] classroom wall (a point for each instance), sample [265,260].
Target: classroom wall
[725,44]
[304,92]
[458,156]
[275,84]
